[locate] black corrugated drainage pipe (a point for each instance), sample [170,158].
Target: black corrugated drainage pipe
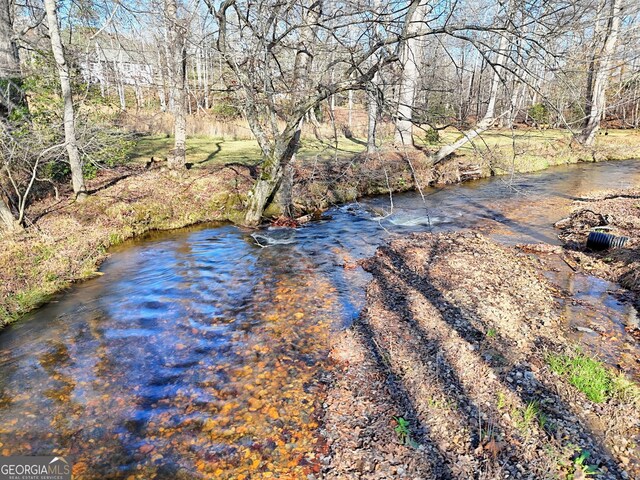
[605,241]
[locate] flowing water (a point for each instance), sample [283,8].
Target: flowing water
[199,353]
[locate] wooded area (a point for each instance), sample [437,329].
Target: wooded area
[305,295]
[399,72]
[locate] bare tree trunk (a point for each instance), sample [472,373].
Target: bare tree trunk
[472,81]
[75,163]
[599,28]
[497,78]
[101,70]
[467,136]
[11,95]
[162,82]
[271,174]
[9,59]
[408,84]
[596,97]
[350,109]
[7,220]
[117,67]
[205,79]
[372,98]
[200,80]
[177,63]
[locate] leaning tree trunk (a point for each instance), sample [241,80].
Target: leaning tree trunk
[600,71]
[75,163]
[274,165]
[177,64]
[467,136]
[11,94]
[490,115]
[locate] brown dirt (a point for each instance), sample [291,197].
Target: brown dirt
[453,339]
[618,212]
[323,183]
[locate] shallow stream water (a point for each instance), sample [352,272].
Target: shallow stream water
[199,353]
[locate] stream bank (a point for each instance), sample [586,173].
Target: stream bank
[67,241]
[614,212]
[449,373]
[202,352]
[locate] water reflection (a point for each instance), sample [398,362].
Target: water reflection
[197,354]
[596,317]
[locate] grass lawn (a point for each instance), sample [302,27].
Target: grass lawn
[202,150]
[210,151]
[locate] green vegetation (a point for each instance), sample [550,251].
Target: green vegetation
[403,432]
[203,150]
[431,136]
[581,468]
[539,113]
[528,416]
[591,377]
[492,333]
[586,374]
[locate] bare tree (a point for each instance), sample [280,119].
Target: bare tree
[10,92]
[271,59]
[372,115]
[21,158]
[269,45]
[7,220]
[176,50]
[410,56]
[266,45]
[600,71]
[75,162]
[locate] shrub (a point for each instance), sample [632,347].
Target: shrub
[539,113]
[431,136]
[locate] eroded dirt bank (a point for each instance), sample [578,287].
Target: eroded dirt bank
[447,374]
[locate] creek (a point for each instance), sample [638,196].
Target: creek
[200,353]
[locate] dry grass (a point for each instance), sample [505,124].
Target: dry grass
[69,240]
